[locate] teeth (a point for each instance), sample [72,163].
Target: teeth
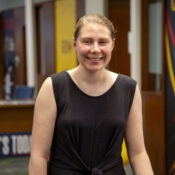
[94,59]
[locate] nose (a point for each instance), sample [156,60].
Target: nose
[95,47]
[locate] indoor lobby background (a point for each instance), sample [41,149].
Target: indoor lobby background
[36,41]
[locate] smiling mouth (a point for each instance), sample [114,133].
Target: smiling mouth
[94,59]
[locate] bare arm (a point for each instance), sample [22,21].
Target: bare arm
[43,127]
[134,139]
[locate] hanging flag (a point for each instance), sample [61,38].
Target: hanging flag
[8,52]
[170,86]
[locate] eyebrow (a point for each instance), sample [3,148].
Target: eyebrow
[93,39]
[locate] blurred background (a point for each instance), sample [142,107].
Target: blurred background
[36,41]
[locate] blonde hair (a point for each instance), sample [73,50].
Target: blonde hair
[94,18]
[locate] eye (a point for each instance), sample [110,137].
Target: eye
[103,42]
[87,41]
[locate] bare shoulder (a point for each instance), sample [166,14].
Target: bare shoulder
[45,106]
[113,75]
[70,71]
[46,86]
[137,95]
[44,120]
[46,94]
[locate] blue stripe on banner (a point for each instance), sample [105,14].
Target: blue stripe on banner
[170,96]
[15,144]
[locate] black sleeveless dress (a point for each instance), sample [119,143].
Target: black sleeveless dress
[89,130]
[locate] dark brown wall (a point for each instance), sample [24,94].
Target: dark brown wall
[80,8]
[154,129]
[20,77]
[11,121]
[119,14]
[1,59]
[20,47]
[49,39]
[153,103]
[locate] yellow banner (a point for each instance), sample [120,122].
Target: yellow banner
[169,62]
[65,18]
[173,5]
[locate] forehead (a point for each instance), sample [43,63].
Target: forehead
[94,30]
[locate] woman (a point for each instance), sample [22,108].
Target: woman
[81,115]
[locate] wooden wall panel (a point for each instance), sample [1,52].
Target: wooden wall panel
[49,41]
[49,37]
[144,44]
[1,59]
[20,47]
[154,129]
[16,118]
[119,14]
[153,103]
[20,77]
[80,5]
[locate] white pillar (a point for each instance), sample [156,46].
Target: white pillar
[30,44]
[135,28]
[95,6]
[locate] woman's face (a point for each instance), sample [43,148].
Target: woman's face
[94,46]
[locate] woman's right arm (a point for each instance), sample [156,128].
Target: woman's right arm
[43,127]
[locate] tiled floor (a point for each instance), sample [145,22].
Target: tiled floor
[14,166]
[128,170]
[19,166]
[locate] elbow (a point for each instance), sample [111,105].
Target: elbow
[36,164]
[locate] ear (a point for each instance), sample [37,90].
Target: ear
[74,42]
[113,44]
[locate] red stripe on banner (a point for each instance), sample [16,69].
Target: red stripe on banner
[174,119]
[170,30]
[9,24]
[172,169]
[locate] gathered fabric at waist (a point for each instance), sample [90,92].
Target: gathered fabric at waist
[71,154]
[106,167]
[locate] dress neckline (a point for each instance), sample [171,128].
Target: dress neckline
[91,96]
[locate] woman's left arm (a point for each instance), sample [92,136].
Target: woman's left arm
[134,139]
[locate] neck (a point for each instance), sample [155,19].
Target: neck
[89,76]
